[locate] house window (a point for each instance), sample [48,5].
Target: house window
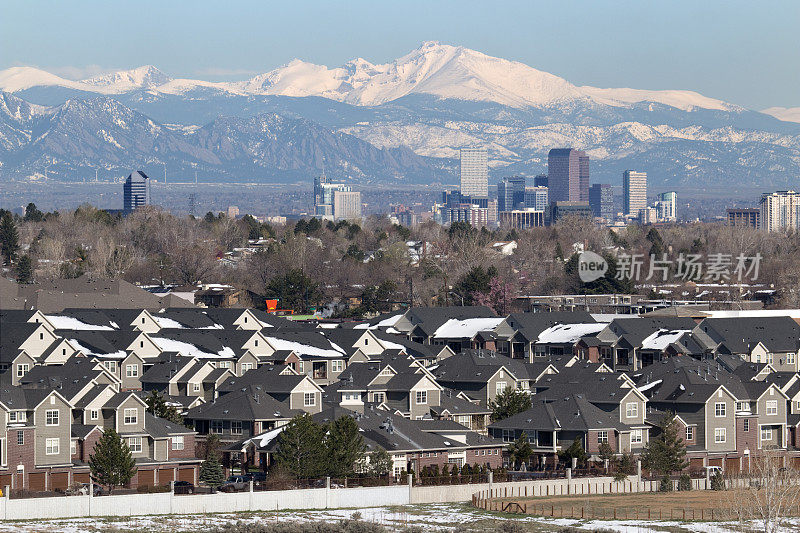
[772,407]
[689,433]
[236,427]
[111,366]
[177,442]
[196,387]
[52,446]
[132,371]
[720,409]
[766,434]
[20,438]
[746,425]
[300,366]
[309,399]
[22,369]
[742,406]
[386,372]
[769,358]
[422,396]
[130,416]
[51,417]
[73,447]
[790,358]
[246,367]
[631,410]
[17,416]
[508,435]
[636,436]
[135,444]
[602,436]
[216,427]
[378,397]
[500,387]
[94,414]
[255,343]
[720,435]
[337,366]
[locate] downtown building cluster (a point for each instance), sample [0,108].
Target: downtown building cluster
[419,383]
[565,190]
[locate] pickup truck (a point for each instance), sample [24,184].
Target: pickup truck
[236,484]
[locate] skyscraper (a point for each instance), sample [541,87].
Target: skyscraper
[537,198]
[511,193]
[601,200]
[568,175]
[779,211]
[135,191]
[540,181]
[324,192]
[634,192]
[474,172]
[667,206]
[346,205]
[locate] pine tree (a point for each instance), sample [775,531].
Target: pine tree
[301,448]
[157,405]
[345,446]
[665,453]
[509,402]
[111,463]
[380,462]
[575,451]
[9,238]
[211,472]
[24,269]
[520,450]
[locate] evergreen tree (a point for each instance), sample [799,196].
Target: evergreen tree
[665,453]
[473,282]
[294,290]
[157,405]
[211,472]
[25,269]
[301,448]
[32,213]
[509,402]
[380,462]
[575,451]
[9,238]
[520,450]
[345,447]
[111,463]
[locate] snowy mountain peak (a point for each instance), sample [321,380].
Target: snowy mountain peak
[144,77]
[20,78]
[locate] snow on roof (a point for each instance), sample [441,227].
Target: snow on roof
[662,338]
[190,350]
[610,317]
[649,386]
[86,351]
[754,313]
[564,333]
[167,323]
[264,439]
[385,323]
[68,322]
[305,349]
[467,328]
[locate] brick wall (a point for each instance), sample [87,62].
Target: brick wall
[86,447]
[747,439]
[593,447]
[22,455]
[188,450]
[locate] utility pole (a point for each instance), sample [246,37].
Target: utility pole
[195,177]
[165,173]
[95,175]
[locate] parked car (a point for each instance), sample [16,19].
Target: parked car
[236,483]
[183,487]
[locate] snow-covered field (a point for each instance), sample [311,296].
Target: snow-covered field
[436,517]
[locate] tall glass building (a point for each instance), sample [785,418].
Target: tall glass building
[135,191]
[474,172]
[568,175]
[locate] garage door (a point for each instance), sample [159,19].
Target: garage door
[5,481]
[165,475]
[147,478]
[59,481]
[715,462]
[696,463]
[80,477]
[186,474]
[36,482]
[732,466]
[796,462]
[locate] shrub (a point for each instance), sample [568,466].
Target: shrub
[685,482]
[666,484]
[717,482]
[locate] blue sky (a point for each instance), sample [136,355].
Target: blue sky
[747,53]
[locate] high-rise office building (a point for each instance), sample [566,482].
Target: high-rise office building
[474,172]
[601,200]
[779,211]
[540,181]
[748,216]
[634,192]
[135,191]
[324,192]
[346,205]
[667,206]
[511,193]
[537,198]
[568,175]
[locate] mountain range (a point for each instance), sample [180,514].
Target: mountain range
[400,122]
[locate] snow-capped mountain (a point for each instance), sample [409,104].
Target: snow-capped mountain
[788,114]
[404,121]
